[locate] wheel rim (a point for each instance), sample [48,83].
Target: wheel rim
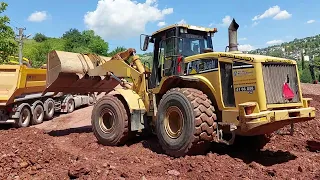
[91,99]
[39,114]
[173,122]
[70,105]
[50,108]
[106,120]
[25,116]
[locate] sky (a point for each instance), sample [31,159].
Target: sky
[120,22]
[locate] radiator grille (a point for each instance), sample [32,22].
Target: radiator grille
[274,76]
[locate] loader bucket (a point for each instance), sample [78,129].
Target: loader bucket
[66,72]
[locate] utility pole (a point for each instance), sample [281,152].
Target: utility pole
[20,38]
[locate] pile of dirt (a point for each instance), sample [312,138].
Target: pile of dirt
[28,153]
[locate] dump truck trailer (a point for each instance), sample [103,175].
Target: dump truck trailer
[22,101]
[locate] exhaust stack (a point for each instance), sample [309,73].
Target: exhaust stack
[233,39]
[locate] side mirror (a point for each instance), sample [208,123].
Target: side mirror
[146,40]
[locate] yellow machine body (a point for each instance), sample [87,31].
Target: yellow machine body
[248,80]
[257,83]
[249,92]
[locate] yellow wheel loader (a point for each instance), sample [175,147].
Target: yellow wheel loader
[191,95]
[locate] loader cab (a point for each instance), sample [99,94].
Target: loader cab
[171,45]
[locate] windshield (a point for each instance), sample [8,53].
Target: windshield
[190,44]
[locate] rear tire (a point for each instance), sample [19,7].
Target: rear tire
[109,121]
[195,129]
[49,111]
[37,115]
[24,119]
[92,99]
[70,105]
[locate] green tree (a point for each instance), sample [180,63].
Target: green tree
[117,50]
[73,39]
[317,60]
[38,54]
[85,42]
[38,37]
[95,43]
[8,46]
[305,76]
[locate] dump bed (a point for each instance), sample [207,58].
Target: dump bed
[18,83]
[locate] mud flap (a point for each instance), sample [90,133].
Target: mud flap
[137,119]
[136,107]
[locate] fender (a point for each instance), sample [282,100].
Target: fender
[215,94]
[45,104]
[16,114]
[136,107]
[174,81]
[36,103]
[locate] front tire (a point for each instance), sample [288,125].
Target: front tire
[185,122]
[110,121]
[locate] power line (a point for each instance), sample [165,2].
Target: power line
[17,23]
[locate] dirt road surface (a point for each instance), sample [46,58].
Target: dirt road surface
[65,148]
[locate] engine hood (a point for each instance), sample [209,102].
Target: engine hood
[239,55]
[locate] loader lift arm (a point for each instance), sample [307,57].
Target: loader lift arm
[96,73]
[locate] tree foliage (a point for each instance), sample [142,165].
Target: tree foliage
[8,46]
[84,42]
[305,76]
[38,37]
[117,50]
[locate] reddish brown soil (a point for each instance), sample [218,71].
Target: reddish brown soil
[57,150]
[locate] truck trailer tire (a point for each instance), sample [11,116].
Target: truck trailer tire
[109,121]
[37,115]
[185,122]
[92,99]
[24,118]
[70,105]
[49,109]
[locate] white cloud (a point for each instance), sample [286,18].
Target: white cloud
[167,11]
[211,24]
[182,21]
[255,24]
[242,39]
[274,42]
[109,21]
[245,47]
[38,16]
[311,21]
[226,21]
[161,23]
[282,15]
[274,12]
